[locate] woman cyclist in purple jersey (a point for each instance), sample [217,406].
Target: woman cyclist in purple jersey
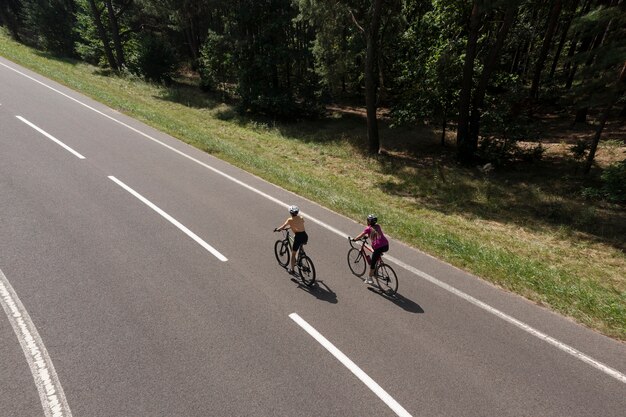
[380,243]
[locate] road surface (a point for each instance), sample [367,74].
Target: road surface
[137,278]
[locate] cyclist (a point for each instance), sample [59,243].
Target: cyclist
[380,243]
[296,224]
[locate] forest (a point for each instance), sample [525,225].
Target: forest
[484,69]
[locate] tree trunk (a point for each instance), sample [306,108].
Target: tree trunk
[371,75]
[545,47]
[559,49]
[568,62]
[444,125]
[584,46]
[596,140]
[115,34]
[190,31]
[465,150]
[570,69]
[102,33]
[581,115]
[605,115]
[488,68]
[515,64]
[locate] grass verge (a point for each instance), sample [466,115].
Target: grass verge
[525,234]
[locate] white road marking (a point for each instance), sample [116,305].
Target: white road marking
[50,391]
[358,372]
[562,346]
[52,138]
[170,219]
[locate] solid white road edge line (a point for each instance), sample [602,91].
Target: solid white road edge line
[52,138]
[562,346]
[50,391]
[358,372]
[170,219]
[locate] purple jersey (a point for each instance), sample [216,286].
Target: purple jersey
[376,235]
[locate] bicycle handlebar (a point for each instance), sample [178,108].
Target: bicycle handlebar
[351,241]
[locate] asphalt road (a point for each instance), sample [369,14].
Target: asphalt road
[116,303]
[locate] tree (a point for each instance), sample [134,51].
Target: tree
[371,87]
[488,68]
[49,25]
[616,94]
[9,16]
[466,147]
[96,15]
[114,29]
[555,12]
[106,28]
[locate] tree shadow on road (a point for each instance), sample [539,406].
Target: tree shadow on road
[319,290]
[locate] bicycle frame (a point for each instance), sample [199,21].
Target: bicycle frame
[306,269]
[364,248]
[289,238]
[386,278]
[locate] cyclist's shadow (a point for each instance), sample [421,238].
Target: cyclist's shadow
[319,290]
[399,300]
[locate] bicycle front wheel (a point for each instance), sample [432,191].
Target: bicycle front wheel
[386,279]
[306,270]
[356,262]
[281,250]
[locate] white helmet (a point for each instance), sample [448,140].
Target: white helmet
[294,210]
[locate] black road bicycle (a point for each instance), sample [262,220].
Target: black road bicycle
[282,250]
[358,260]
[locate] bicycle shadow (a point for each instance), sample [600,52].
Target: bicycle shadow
[399,300]
[319,290]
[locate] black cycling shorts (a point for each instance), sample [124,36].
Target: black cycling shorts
[300,238]
[376,255]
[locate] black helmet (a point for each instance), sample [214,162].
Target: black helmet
[371,219]
[294,210]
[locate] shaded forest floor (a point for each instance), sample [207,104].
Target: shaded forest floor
[539,194]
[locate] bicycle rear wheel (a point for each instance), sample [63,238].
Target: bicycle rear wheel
[306,270]
[356,262]
[386,279]
[281,250]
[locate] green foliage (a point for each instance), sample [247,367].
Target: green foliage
[427,64]
[338,46]
[152,57]
[597,80]
[88,45]
[269,63]
[614,182]
[612,187]
[503,128]
[215,64]
[10,11]
[48,25]
[580,149]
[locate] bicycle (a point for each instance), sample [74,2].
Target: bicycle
[282,250]
[358,259]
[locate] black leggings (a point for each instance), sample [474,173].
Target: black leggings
[376,255]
